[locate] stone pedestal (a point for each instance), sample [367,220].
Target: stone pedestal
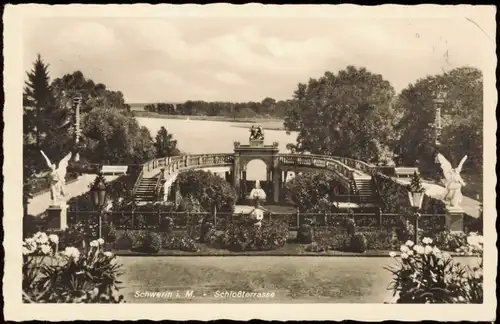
[57,217]
[256,142]
[455,219]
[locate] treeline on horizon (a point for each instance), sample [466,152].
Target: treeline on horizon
[267,108]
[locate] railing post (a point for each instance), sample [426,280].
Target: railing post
[298,218]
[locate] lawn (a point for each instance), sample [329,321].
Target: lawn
[291,279]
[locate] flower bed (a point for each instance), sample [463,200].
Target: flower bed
[73,275]
[271,235]
[425,274]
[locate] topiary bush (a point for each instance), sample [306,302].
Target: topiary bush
[305,234]
[358,243]
[123,242]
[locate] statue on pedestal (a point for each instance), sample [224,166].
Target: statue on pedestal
[57,179]
[452,180]
[257,192]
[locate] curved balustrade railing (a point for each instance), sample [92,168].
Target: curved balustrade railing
[320,162]
[346,167]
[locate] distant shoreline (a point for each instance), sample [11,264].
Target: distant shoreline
[267,123]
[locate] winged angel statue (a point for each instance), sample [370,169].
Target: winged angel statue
[452,180]
[58,176]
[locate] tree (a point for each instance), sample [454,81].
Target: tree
[165,144]
[207,188]
[93,95]
[462,120]
[115,138]
[348,114]
[42,119]
[314,192]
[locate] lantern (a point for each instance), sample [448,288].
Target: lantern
[99,192]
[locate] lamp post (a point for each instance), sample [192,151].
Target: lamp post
[416,196]
[99,197]
[77,101]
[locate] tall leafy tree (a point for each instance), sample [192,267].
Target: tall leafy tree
[347,114]
[462,120]
[165,144]
[93,94]
[115,138]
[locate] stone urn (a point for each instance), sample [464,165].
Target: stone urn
[256,216]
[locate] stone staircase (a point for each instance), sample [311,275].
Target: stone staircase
[146,190]
[365,188]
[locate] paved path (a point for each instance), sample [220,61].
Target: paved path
[40,203]
[469,205]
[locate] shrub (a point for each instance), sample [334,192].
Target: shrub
[70,276]
[358,243]
[123,242]
[207,188]
[166,224]
[424,274]
[270,235]
[305,234]
[145,241]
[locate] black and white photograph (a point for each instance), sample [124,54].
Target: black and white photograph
[274,158]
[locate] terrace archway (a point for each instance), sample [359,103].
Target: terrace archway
[256,151]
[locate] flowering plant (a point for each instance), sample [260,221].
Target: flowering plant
[71,275]
[424,274]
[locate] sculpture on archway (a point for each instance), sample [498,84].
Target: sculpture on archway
[256,133]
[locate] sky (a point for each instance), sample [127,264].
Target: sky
[174,59]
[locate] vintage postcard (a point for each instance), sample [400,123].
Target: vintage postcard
[250,162]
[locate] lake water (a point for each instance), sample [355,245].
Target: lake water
[201,136]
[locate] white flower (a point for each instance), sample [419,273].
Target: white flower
[404,248]
[41,238]
[392,254]
[428,249]
[427,240]
[409,243]
[72,252]
[108,254]
[100,241]
[419,249]
[404,256]
[436,250]
[94,243]
[54,238]
[410,252]
[45,249]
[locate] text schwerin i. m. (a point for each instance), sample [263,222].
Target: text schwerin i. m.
[164,294]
